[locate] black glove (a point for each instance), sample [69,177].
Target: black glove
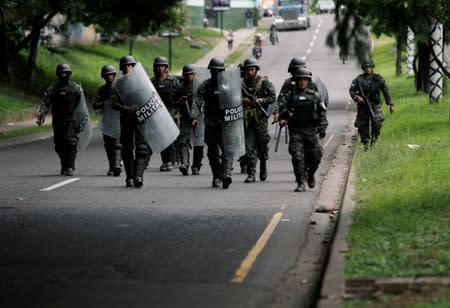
[322,135]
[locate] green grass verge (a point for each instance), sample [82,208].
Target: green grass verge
[402,193]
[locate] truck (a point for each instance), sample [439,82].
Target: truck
[291,14]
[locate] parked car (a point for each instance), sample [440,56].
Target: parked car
[325,6]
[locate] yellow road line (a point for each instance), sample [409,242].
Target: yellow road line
[242,272]
[328,141]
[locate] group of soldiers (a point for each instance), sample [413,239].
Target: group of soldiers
[186,112]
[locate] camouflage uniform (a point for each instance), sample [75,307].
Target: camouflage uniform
[368,128]
[184,92]
[255,123]
[63,100]
[306,118]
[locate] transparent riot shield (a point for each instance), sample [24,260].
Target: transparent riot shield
[82,122]
[154,120]
[198,134]
[322,89]
[230,99]
[110,123]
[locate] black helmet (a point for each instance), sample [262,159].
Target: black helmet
[188,69]
[296,63]
[251,62]
[367,63]
[63,67]
[160,61]
[125,60]
[108,70]
[302,72]
[216,64]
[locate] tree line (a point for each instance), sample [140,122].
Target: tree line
[22,21]
[355,18]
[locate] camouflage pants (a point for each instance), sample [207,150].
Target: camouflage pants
[369,128]
[256,141]
[305,150]
[184,141]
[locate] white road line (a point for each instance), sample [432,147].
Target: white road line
[57,185]
[328,141]
[246,265]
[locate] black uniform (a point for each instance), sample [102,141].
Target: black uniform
[63,97]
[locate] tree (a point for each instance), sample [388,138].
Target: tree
[390,18]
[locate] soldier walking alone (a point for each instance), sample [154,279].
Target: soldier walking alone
[257,94]
[302,111]
[365,91]
[63,98]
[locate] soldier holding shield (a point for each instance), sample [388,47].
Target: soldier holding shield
[110,122]
[70,117]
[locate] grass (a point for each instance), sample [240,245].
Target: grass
[402,195]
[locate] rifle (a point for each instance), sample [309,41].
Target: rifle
[186,101]
[366,99]
[253,100]
[277,144]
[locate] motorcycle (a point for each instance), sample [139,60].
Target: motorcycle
[257,52]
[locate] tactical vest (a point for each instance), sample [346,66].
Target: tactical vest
[165,89]
[64,101]
[304,108]
[212,102]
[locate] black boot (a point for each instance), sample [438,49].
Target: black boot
[226,181]
[251,170]
[263,170]
[300,187]
[216,182]
[311,180]
[128,166]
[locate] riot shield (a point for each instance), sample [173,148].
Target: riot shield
[110,123]
[154,120]
[82,122]
[322,89]
[230,99]
[198,134]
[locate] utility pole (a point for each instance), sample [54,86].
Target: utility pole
[436,74]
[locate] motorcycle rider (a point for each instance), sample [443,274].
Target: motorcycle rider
[102,103]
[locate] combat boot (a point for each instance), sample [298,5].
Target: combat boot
[251,170]
[129,182]
[164,167]
[226,181]
[216,182]
[69,172]
[183,169]
[195,170]
[300,187]
[138,181]
[263,170]
[311,180]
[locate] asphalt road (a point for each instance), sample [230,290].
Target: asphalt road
[176,242]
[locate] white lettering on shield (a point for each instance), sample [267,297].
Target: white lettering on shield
[148,109]
[233,113]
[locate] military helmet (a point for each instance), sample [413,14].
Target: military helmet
[302,72]
[108,70]
[216,64]
[188,69]
[367,63]
[160,61]
[125,60]
[296,63]
[251,62]
[63,67]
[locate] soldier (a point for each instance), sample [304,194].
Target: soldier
[306,118]
[183,98]
[365,91]
[63,98]
[110,123]
[165,84]
[257,94]
[131,137]
[208,96]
